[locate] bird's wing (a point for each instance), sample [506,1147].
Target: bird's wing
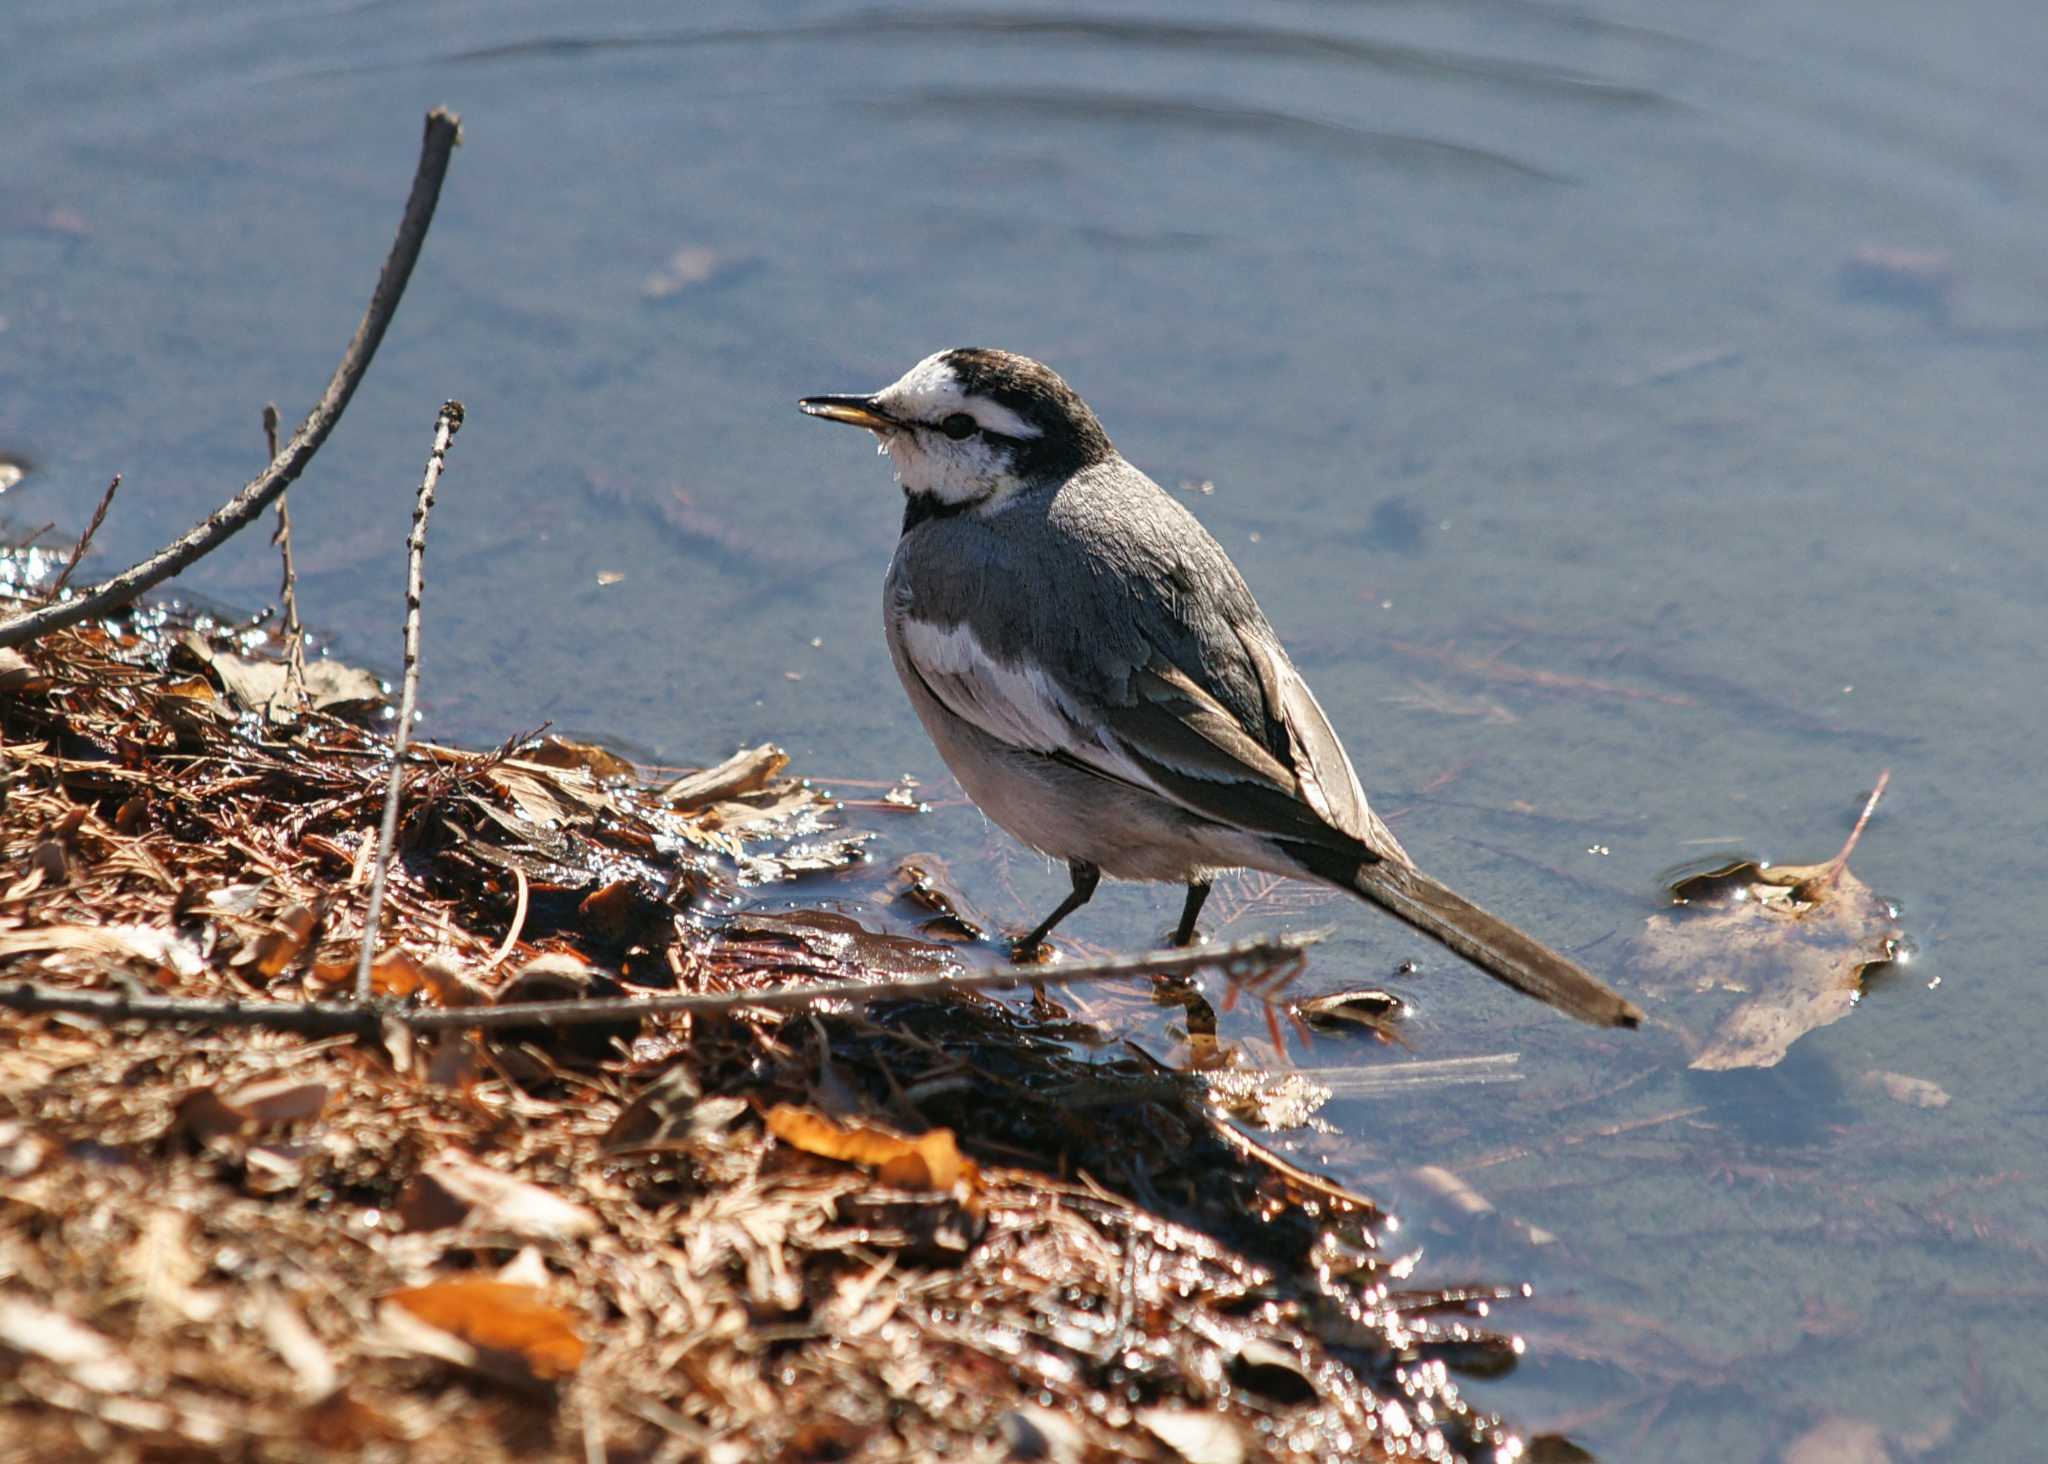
[1327,779]
[1161,730]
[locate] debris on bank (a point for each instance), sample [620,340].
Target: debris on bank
[905,1228]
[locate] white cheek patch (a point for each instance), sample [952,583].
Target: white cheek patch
[930,392]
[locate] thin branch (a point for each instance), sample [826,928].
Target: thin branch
[1258,962]
[443,131]
[518,925]
[288,588]
[447,423]
[1841,861]
[99,516]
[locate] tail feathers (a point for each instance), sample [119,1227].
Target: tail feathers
[1488,942]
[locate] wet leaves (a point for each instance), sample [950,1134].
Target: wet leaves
[1794,943]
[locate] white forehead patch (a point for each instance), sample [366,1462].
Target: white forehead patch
[930,392]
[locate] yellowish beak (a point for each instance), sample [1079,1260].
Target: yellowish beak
[860,411]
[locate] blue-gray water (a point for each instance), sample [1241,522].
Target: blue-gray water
[1532,329]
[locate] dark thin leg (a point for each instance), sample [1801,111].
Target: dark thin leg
[1185,935]
[1085,877]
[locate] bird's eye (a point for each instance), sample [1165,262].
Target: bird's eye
[959,426]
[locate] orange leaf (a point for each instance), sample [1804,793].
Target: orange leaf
[931,1161]
[500,1317]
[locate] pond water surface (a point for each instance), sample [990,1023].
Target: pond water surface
[1630,413]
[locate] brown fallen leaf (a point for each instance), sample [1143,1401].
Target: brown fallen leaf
[930,1161]
[502,1328]
[207,1114]
[747,771]
[452,1188]
[560,752]
[1796,942]
[18,673]
[1376,1011]
[148,943]
[274,950]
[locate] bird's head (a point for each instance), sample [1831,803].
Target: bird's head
[969,427]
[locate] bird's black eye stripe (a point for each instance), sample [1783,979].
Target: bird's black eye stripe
[959,426]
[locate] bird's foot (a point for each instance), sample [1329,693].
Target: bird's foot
[1031,950]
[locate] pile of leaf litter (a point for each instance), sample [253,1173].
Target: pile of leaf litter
[910,1227]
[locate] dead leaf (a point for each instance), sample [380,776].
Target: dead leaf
[549,795]
[259,686]
[342,1423]
[504,1329]
[931,1161]
[452,1188]
[1913,1092]
[207,1114]
[120,942]
[560,752]
[18,673]
[1374,1010]
[1795,942]
[747,771]
[271,952]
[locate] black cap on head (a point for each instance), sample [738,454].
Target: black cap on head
[1069,436]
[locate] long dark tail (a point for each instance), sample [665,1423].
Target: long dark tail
[1488,942]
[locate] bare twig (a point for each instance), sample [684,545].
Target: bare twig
[1244,958]
[1841,861]
[78,550]
[518,924]
[447,423]
[288,588]
[443,131]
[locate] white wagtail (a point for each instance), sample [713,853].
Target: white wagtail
[1102,683]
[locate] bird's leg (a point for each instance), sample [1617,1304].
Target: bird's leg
[1184,934]
[1085,877]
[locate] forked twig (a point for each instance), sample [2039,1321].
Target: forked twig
[446,424]
[443,131]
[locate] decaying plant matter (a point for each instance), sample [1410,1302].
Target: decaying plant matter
[626,1238]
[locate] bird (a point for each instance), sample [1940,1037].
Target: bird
[1096,673]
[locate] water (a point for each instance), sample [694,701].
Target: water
[1527,329]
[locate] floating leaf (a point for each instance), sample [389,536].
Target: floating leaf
[1796,942]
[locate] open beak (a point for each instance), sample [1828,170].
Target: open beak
[859,410]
